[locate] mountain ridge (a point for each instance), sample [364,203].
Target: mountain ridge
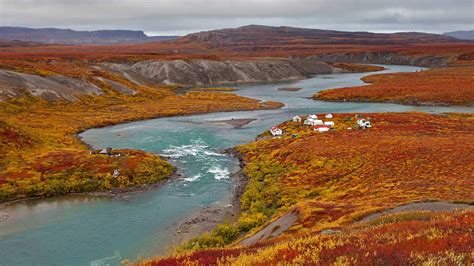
[69,36]
[259,36]
[462,34]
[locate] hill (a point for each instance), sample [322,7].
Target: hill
[439,86]
[67,36]
[463,35]
[350,196]
[16,43]
[261,37]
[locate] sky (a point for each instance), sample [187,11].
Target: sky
[179,17]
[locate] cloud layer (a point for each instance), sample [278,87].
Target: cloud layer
[185,16]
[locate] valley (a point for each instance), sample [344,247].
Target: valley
[144,149]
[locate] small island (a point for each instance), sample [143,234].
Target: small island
[214,89]
[236,123]
[290,89]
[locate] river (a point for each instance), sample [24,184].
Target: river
[81,230]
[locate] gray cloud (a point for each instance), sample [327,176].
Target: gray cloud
[184,16]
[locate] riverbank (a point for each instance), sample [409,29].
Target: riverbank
[434,87]
[206,219]
[36,156]
[118,193]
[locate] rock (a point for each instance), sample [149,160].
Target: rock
[52,88]
[329,231]
[203,72]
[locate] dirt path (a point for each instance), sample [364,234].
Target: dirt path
[437,206]
[284,222]
[273,229]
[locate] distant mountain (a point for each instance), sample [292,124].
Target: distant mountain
[17,43]
[262,37]
[463,35]
[67,36]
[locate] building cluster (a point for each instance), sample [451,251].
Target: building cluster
[320,124]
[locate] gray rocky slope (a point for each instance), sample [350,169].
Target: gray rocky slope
[205,72]
[160,72]
[52,88]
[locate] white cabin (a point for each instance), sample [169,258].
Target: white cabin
[314,117]
[321,129]
[297,119]
[329,123]
[313,122]
[276,131]
[328,116]
[318,122]
[364,123]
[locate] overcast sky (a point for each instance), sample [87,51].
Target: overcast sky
[178,17]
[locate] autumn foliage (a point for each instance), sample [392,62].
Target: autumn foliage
[345,174]
[432,239]
[335,179]
[443,86]
[40,154]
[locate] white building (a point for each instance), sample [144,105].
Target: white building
[329,123]
[364,123]
[116,173]
[297,119]
[321,129]
[318,122]
[328,116]
[313,122]
[276,131]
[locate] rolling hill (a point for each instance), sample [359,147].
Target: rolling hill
[67,36]
[261,37]
[463,35]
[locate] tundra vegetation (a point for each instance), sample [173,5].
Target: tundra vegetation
[415,238]
[40,154]
[336,178]
[40,151]
[439,86]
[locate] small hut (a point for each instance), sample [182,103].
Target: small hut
[116,173]
[321,129]
[276,131]
[297,119]
[106,151]
[329,123]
